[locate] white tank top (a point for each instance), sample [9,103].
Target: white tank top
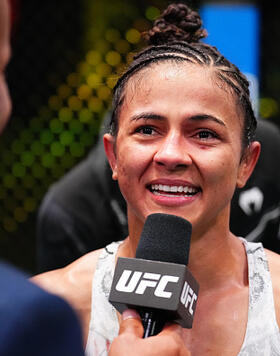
[262,336]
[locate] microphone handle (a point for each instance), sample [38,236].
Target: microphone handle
[152,322]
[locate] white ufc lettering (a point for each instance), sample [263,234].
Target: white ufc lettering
[149,280]
[160,290]
[128,283]
[188,297]
[123,286]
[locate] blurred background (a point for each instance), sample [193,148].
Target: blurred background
[66,58]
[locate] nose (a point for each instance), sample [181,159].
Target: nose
[173,152]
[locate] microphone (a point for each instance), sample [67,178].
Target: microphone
[157,282]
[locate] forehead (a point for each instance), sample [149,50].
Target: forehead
[183,84]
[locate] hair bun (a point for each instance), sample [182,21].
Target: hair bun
[177,23]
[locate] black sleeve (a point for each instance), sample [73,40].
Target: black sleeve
[83,211]
[59,240]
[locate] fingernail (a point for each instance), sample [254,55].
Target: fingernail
[130,314]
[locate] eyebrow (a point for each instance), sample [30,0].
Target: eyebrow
[199,117]
[147,116]
[205,117]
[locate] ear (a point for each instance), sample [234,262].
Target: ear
[248,163]
[109,146]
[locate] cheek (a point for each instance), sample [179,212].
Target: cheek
[222,172]
[129,164]
[127,175]
[132,163]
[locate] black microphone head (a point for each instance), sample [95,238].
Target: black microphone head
[165,238]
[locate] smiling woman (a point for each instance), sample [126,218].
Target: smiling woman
[180,129]
[181,141]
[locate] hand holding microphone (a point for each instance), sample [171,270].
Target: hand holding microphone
[157,282]
[168,342]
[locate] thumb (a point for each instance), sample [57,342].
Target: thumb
[131,323]
[170,328]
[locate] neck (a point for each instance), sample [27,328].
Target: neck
[217,259]
[135,227]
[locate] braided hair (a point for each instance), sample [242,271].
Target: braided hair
[176,36]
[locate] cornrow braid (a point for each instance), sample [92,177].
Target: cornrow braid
[199,53]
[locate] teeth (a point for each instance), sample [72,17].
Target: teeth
[173,188]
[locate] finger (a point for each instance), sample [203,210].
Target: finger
[172,335]
[131,323]
[172,328]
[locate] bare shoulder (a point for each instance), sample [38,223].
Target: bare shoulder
[76,276]
[72,283]
[274,267]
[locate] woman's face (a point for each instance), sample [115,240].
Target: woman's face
[178,148]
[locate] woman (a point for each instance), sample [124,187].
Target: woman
[181,142]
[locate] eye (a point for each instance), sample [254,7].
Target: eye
[146,130]
[206,135]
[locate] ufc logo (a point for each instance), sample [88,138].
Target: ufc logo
[188,297]
[139,282]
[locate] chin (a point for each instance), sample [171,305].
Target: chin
[170,211]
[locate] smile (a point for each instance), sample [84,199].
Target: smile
[173,190]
